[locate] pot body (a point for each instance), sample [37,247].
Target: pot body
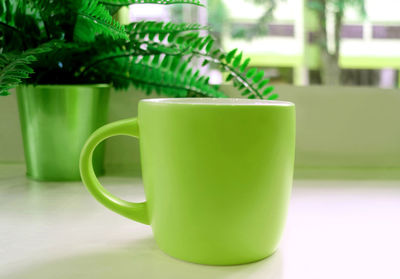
[55,121]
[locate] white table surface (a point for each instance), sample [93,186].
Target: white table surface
[335,229]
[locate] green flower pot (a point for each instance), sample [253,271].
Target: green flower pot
[56,120]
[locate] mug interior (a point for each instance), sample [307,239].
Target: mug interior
[219,101]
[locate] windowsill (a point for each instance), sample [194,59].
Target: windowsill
[335,229]
[336,127]
[348,173]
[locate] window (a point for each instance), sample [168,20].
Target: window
[287,37]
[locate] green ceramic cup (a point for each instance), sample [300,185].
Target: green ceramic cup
[217,175]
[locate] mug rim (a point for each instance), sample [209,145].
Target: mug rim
[218,102]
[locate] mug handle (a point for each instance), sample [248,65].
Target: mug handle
[135,211]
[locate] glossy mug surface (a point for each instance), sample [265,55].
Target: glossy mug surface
[217,175]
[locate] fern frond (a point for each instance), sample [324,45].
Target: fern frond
[14,68]
[13,71]
[247,81]
[250,83]
[93,19]
[129,51]
[162,2]
[112,54]
[141,29]
[166,75]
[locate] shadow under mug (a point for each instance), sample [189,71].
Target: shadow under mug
[217,175]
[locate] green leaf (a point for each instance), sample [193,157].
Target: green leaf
[258,76]
[215,52]
[230,77]
[263,83]
[230,55]
[205,41]
[246,92]
[171,37]
[151,36]
[205,62]
[268,90]
[93,19]
[175,62]
[236,83]
[196,43]
[183,67]
[166,61]
[186,74]
[237,60]
[13,71]
[244,65]
[273,97]
[156,60]
[252,97]
[196,74]
[146,59]
[251,72]
[161,36]
[209,46]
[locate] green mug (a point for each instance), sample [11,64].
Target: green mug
[217,175]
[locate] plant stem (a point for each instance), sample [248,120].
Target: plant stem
[119,4]
[111,57]
[46,27]
[16,30]
[232,71]
[129,54]
[11,27]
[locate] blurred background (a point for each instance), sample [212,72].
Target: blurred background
[302,42]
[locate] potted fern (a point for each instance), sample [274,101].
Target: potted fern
[63,56]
